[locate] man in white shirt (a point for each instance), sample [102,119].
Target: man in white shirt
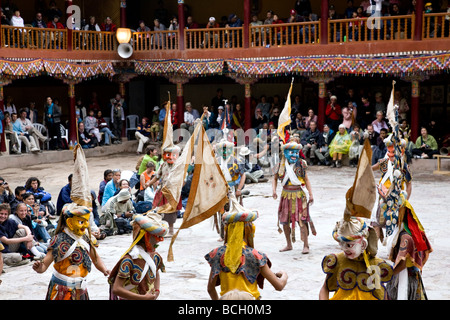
[190,115]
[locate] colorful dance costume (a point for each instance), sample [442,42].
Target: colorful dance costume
[356,273]
[293,201]
[139,265]
[237,264]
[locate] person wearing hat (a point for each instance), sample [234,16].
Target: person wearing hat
[253,172]
[72,249]
[294,202]
[211,38]
[136,275]
[357,262]
[237,265]
[118,210]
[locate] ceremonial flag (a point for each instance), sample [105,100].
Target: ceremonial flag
[285,116]
[209,189]
[80,193]
[168,128]
[391,110]
[360,198]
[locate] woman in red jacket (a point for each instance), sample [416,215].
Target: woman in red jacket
[333,113]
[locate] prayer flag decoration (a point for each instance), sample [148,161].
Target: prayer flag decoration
[285,116]
[209,189]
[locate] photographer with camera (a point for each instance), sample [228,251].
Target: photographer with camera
[6,194]
[426,146]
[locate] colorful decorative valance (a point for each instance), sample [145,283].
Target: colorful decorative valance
[74,71]
[15,69]
[185,67]
[344,65]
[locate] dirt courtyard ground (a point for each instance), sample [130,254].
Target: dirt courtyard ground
[186,277]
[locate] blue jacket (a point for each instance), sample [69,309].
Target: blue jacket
[41,194]
[63,198]
[110,190]
[2,116]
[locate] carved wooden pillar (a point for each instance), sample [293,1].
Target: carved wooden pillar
[123,13]
[321,80]
[180,80]
[247,82]
[181,24]
[3,82]
[323,22]
[415,103]
[72,110]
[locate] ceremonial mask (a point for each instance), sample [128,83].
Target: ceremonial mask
[78,224]
[353,249]
[170,157]
[291,155]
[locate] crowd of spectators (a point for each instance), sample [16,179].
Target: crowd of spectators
[301,11]
[28,131]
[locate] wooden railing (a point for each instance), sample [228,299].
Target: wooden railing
[388,28]
[155,40]
[286,34]
[93,41]
[436,26]
[214,38]
[33,38]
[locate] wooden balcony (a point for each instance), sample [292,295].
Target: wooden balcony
[344,37]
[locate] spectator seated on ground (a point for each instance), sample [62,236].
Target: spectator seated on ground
[33,185]
[16,237]
[340,146]
[40,226]
[111,187]
[6,194]
[19,192]
[22,215]
[39,213]
[145,178]
[117,214]
[151,154]
[107,176]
